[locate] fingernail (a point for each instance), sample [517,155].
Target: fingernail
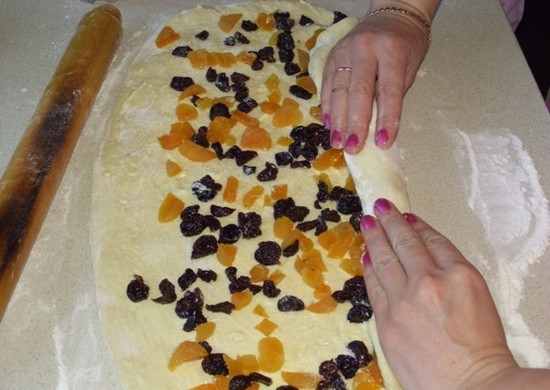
[326,120]
[365,259]
[382,205]
[410,218]
[381,137]
[352,141]
[368,222]
[336,138]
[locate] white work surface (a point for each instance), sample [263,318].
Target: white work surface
[475,140]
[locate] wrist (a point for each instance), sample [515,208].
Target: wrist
[424,8]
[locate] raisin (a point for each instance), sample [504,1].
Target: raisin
[241,156]
[206,188]
[200,137]
[231,273]
[290,303]
[300,164]
[137,290]
[287,387]
[349,204]
[240,284]
[356,287]
[292,249]
[250,223]
[361,352]
[241,93]
[298,91]
[285,41]
[168,292]
[257,65]
[222,307]
[330,215]
[269,173]
[239,37]
[310,152]
[338,16]
[211,75]
[268,253]
[206,346]
[193,224]
[295,149]
[217,147]
[323,192]
[283,158]
[203,35]
[267,54]
[219,211]
[214,364]
[359,313]
[286,56]
[305,21]
[247,105]
[257,377]
[347,365]
[195,319]
[248,25]
[328,369]
[180,83]
[307,225]
[204,246]
[335,383]
[187,279]
[191,302]
[287,207]
[355,220]
[229,234]
[321,226]
[269,289]
[190,210]
[239,78]
[213,223]
[222,82]
[338,192]
[229,41]
[207,275]
[291,69]
[254,288]
[283,21]
[248,170]
[240,382]
[181,51]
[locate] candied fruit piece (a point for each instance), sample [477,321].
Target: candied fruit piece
[312,277]
[252,196]
[226,254]
[266,326]
[230,190]
[219,130]
[324,305]
[282,227]
[272,83]
[225,59]
[271,354]
[172,168]
[307,83]
[322,291]
[256,138]
[201,59]
[329,159]
[186,112]
[280,191]
[166,36]
[246,57]
[185,352]
[265,22]
[227,22]
[287,115]
[204,331]
[246,119]
[204,103]
[368,378]
[301,380]
[258,273]
[170,141]
[316,113]
[260,311]
[273,39]
[170,208]
[269,108]
[206,386]
[327,238]
[303,61]
[310,43]
[276,276]
[351,266]
[241,299]
[192,90]
[358,247]
[341,246]
[314,260]
[184,129]
[222,381]
[195,152]
[248,363]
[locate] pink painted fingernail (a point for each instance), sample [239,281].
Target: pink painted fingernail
[326,120]
[382,205]
[365,259]
[381,137]
[410,218]
[352,141]
[336,138]
[368,222]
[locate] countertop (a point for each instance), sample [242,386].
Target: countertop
[475,141]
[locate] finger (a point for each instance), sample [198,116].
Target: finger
[326,87]
[338,106]
[377,296]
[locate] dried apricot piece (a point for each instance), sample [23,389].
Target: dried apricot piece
[170,141]
[322,291]
[266,326]
[219,130]
[186,112]
[357,247]
[350,184]
[226,254]
[205,386]
[325,305]
[273,39]
[272,83]
[282,227]
[287,115]
[204,103]
[171,208]
[255,138]
[258,273]
[275,96]
[271,354]
[195,152]
[201,59]
[269,107]
[265,22]
[284,141]
[204,331]
[194,89]
[316,113]
[248,363]
[327,238]
[230,190]
[303,61]
[166,36]
[225,60]
[252,195]
[221,382]
[260,311]
[246,119]
[328,159]
[247,58]
[294,235]
[307,83]
[301,380]
[172,168]
[312,277]
[276,276]
[241,299]
[310,43]
[351,266]
[280,191]
[368,378]
[185,352]
[227,22]
[182,128]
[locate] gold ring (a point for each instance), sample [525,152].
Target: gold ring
[342,68]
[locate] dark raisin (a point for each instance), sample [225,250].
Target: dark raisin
[229,234]
[287,387]
[217,147]
[204,246]
[323,192]
[269,173]
[338,16]
[187,279]
[290,303]
[180,83]
[191,302]
[203,35]
[247,105]
[211,75]
[292,249]
[361,352]
[298,91]
[248,25]
[241,93]
[254,288]
[219,211]
[306,226]
[213,223]
[257,65]
[200,137]
[242,283]
[300,164]
[282,207]
[222,82]
[286,56]
[214,364]
[356,287]
[335,383]
[310,152]
[349,204]
[239,37]
[137,290]
[338,192]
[269,289]
[207,275]
[231,273]
[283,21]
[267,54]
[347,365]
[250,223]
[222,307]
[359,313]
[194,320]
[328,369]
[283,158]
[206,188]
[206,346]
[257,377]
[249,170]
[241,156]
[295,149]
[268,253]
[355,221]
[240,382]
[299,133]
[168,292]
[229,41]
[305,21]
[291,69]
[321,226]
[285,41]
[239,78]
[193,224]
[219,109]
[181,51]
[330,215]
[194,99]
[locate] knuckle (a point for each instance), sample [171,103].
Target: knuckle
[389,89]
[384,259]
[405,240]
[361,89]
[339,86]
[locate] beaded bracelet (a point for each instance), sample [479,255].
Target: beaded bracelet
[402,11]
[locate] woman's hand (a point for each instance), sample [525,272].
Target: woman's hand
[378,59]
[437,322]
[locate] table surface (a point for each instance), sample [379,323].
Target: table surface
[474,135]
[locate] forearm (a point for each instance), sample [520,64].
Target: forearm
[426,8]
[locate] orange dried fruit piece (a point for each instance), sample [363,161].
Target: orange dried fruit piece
[269,107]
[282,227]
[301,380]
[246,57]
[259,310]
[201,59]
[219,130]
[271,354]
[310,43]
[265,22]
[350,184]
[266,326]
[171,208]
[248,363]
[322,291]
[307,83]
[186,112]
[204,103]
[276,276]
[312,277]
[170,141]
[284,141]
[221,382]
[227,22]
[195,152]
[351,266]
[229,101]
[226,254]
[258,273]
[245,119]
[241,299]
[339,249]
[172,168]
[368,378]
[182,128]
[327,238]
[328,159]
[256,138]
[252,196]
[325,305]
[205,386]
[312,259]
[280,191]
[303,60]
[274,97]
[287,115]
[194,89]
[230,190]
[294,235]
[204,331]
[357,247]
[185,352]
[166,36]
[273,38]
[272,83]
[316,113]
[225,59]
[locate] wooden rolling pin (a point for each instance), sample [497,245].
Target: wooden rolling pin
[35,170]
